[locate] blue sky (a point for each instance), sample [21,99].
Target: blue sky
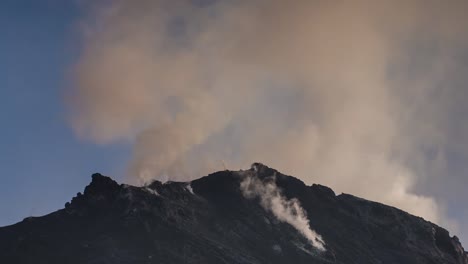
[42,163]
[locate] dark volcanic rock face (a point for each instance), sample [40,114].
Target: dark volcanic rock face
[211,221]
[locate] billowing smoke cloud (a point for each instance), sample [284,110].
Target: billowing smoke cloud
[356,95]
[289,211]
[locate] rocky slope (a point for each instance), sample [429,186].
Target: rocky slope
[252,216]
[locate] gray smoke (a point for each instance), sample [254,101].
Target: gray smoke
[356,95]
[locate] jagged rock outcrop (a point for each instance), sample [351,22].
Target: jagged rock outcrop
[210,220]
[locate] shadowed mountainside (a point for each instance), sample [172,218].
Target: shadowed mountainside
[210,220]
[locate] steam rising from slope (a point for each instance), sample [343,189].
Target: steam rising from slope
[344,93]
[289,211]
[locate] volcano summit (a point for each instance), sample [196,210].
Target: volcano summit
[249,216]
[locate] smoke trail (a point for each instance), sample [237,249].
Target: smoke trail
[289,211]
[357,95]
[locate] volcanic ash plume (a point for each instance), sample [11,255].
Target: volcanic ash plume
[343,93]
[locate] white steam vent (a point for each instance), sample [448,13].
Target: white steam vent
[289,211]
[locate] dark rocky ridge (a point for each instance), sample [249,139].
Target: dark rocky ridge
[167,223]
